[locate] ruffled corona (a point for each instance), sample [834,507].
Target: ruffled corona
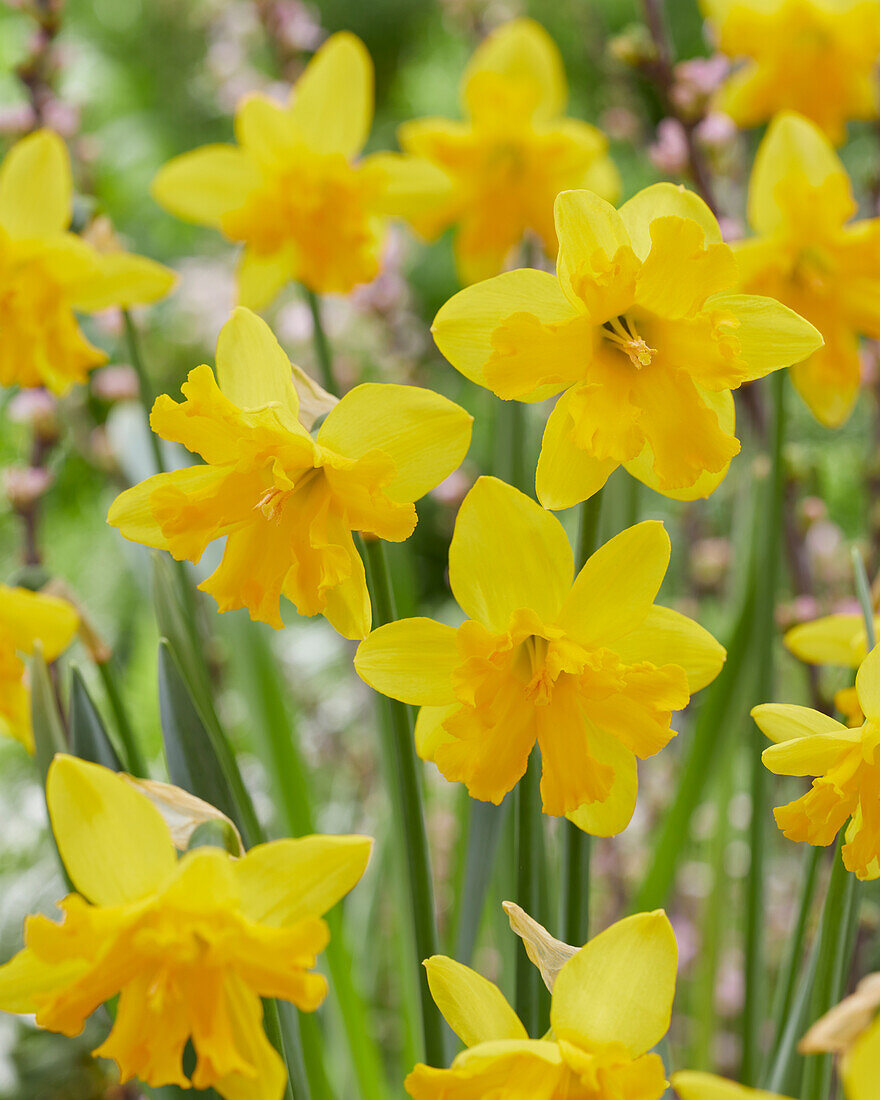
[28,620]
[846,766]
[292,190]
[809,255]
[638,333]
[611,1003]
[189,945]
[589,669]
[513,154]
[783,44]
[287,503]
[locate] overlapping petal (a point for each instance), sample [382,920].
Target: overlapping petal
[475,1008]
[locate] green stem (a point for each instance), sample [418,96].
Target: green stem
[322,344]
[399,745]
[134,758]
[146,394]
[863,591]
[528,999]
[577,845]
[765,633]
[789,969]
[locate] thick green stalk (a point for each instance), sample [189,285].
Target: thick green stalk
[406,792]
[765,632]
[321,343]
[146,393]
[574,917]
[134,758]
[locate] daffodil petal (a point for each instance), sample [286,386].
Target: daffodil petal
[206,184]
[332,106]
[812,755]
[666,637]
[831,640]
[614,813]
[782,721]
[793,147]
[246,1020]
[408,187]
[122,279]
[465,328]
[26,977]
[591,233]
[29,617]
[411,660]
[615,590]
[475,1008]
[520,1069]
[261,275]
[264,128]
[507,553]
[348,609]
[36,187]
[424,433]
[868,684]
[430,732]
[691,1085]
[770,335]
[133,513]
[252,367]
[861,1065]
[566,475]
[619,987]
[285,881]
[663,200]
[113,841]
[524,53]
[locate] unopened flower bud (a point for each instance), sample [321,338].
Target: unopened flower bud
[634,46]
[669,152]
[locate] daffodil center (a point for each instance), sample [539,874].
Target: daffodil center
[813,269]
[623,334]
[273,500]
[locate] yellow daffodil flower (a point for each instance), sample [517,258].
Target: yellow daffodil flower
[611,1003]
[834,640]
[784,45]
[189,944]
[514,153]
[588,667]
[806,255]
[292,190]
[690,1085]
[846,764]
[852,1030]
[47,274]
[27,620]
[286,502]
[638,334]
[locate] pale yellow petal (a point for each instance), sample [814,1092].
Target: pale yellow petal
[122,279]
[868,684]
[619,988]
[467,327]
[566,474]
[812,755]
[285,881]
[252,367]
[430,732]
[261,275]
[611,816]
[264,129]
[782,721]
[507,553]
[424,433]
[615,590]
[662,200]
[475,1008]
[831,640]
[25,978]
[691,1085]
[332,106]
[411,660]
[861,1066]
[36,187]
[407,187]
[524,54]
[666,637]
[593,246]
[27,618]
[204,185]
[769,334]
[794,149]
[113,841]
